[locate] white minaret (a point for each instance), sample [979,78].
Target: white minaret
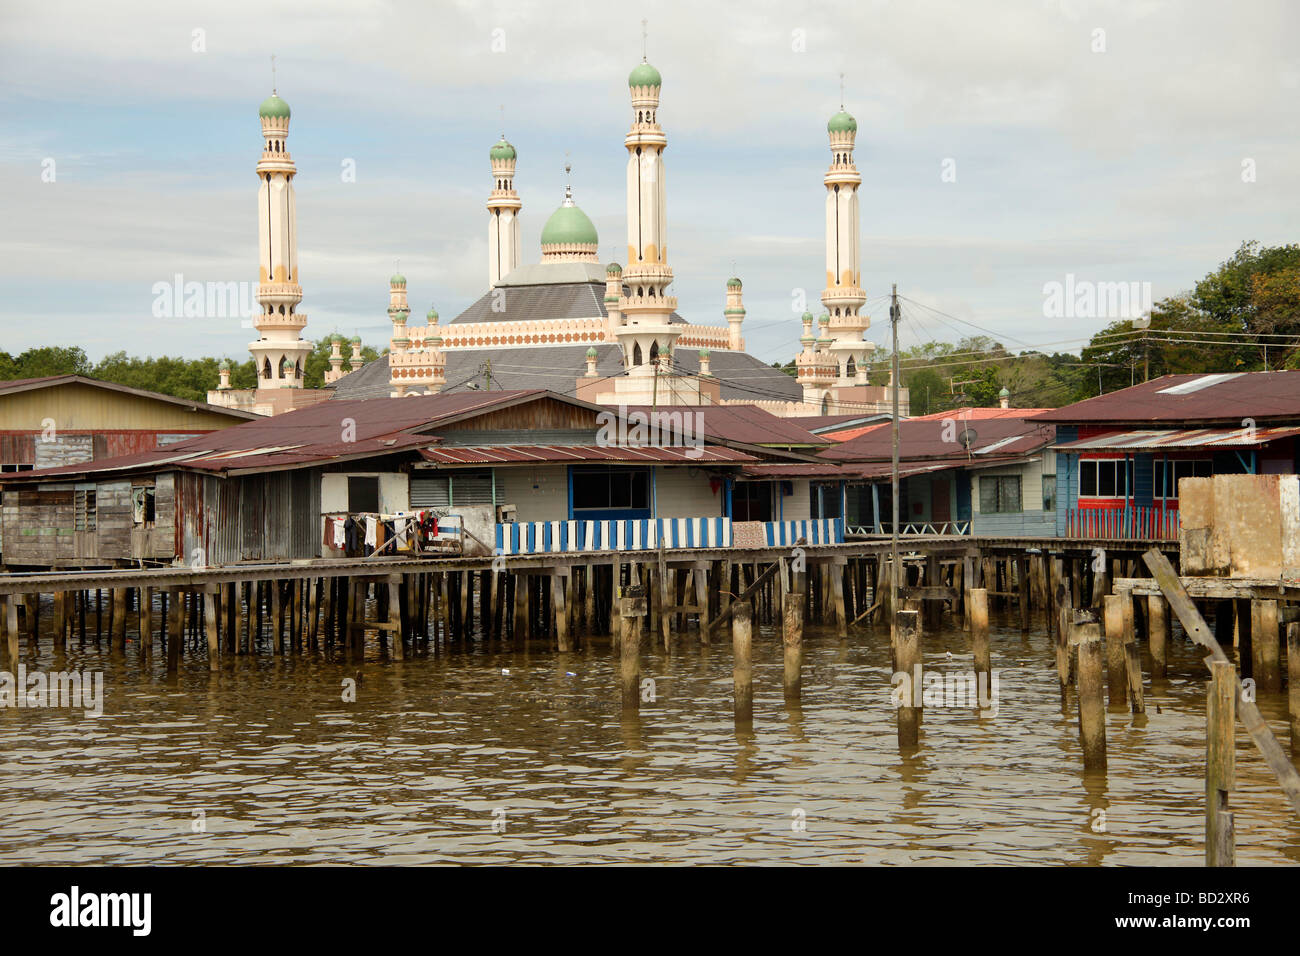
[280,353]
[503,207]
[647,308]
[843,296]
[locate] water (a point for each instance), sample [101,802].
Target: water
[449,758]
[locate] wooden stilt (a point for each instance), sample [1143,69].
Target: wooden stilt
[1092,709]
[1116,662]
[1266,666]
[792,642]
[908,660]
[742,625]
[1220,764]
[1158,635]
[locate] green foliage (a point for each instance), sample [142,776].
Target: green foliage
[180,377]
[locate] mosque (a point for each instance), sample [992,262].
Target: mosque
[608,334]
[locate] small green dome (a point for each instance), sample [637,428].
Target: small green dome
[337,338]
[273,108]
[1005,393]
[643,75]
[591,352]
[397,279]
[613,269]
[824,319]
[224,365]
[399,316]
[432,316]
[733,283]
[807,317]
[842,122]
[355,340]
[502,150]
[704,353]
[569,225]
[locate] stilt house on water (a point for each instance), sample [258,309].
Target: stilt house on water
[473,473]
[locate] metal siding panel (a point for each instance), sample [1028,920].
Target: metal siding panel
[252,508]
[276,526]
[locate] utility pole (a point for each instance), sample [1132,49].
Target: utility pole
[654,391]
[487,375]
[895,578]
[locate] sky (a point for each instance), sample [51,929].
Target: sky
[1003,146]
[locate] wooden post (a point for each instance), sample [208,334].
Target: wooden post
[908,651]
[1293,682]
[979,632]
[1116,661]
[836,574]
[1022,573]
[1220,764]
[742,623]
[118,620]
[210,620]
[1266,666]
[1092,709]
[560,607]
[1158,635]
[11,629]
[395,623]
[146,622]
[702,599]
[175,628]
[631,610]
[792,640]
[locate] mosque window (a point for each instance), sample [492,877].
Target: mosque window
[636,354]
[851,368]
[266,368]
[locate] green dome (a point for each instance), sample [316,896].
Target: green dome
[807,317]
[733,283]
[337,338]
[502,150]
[842,122]
[355,340]
[397,279]
[643,75]
[569,225]
[1005,393]
[591,352]
[704,353]
[273,108]
[824,319]
[613,269]
[223,365]
[432,316]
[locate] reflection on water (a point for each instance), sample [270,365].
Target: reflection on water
[496,756]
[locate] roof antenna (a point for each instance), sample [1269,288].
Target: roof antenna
[273,93]
[568,187]
[503,121]
[643,41]
[841,91]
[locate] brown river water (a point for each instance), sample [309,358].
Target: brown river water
[483,754]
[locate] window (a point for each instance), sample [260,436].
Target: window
[1000,494]
[83,509]
[1103,478]
[9,468]
[1169,473]
[615,489]
[445,491]
[751,501]
[142,505]
[363,494]
[1049,492]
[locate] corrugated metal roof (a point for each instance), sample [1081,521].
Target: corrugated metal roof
[794,470]
[743,423]
[939,438]
[1154,440]
[1191,399]
[540,303]
[15,385]
[513,454]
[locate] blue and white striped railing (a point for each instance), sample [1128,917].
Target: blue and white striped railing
[814,531]
[555,537]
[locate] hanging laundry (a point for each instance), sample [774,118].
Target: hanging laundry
[372,527]
[340,534]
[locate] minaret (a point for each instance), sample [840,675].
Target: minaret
[735,314]
[814,368]
[280,353]
[398,310]
[223,373]
[613,293]
[647,308]
[418,370]
[503,207]
[843,296]
[355,361]
[335,371]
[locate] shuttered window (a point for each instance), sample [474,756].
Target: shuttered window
[430,492]
[1000,494]
[446,491]
[83,507]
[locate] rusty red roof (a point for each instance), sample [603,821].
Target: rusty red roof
[1226,399]
[747,424]
[931,438]
[16,385]
[523,454]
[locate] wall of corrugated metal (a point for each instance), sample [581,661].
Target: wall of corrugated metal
[17,448]
[306,523]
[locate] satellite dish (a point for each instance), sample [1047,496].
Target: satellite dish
[967,437]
